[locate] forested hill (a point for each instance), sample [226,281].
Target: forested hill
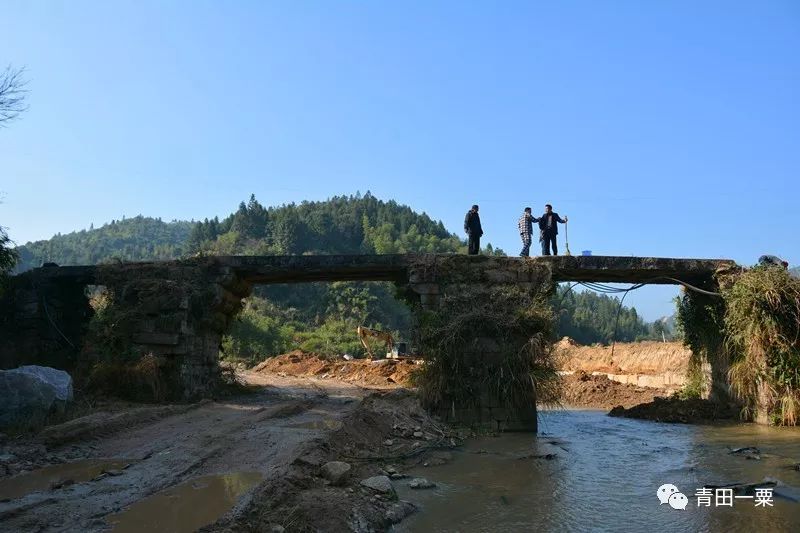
[133,239]
[340,225]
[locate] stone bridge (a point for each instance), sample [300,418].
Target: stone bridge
[179,310]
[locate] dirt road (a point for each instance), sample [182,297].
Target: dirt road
[258,433]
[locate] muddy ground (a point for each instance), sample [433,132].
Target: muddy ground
[598,392]
[681,411]
[283,433]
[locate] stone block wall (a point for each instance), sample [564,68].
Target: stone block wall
[178,312]
[42,322]
[433,283]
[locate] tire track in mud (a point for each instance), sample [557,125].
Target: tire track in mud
[251,433]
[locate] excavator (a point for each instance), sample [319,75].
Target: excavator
[392,351]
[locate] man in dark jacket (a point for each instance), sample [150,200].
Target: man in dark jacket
[472,225]
[548,229]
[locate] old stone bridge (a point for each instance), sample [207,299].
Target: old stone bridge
[179,310]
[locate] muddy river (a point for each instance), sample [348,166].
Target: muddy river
[590,472]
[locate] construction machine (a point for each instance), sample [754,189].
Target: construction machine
[393,351]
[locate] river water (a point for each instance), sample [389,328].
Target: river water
[601,473]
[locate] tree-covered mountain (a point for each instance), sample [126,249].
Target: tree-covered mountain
[340,225]
[133,239]
[589,318]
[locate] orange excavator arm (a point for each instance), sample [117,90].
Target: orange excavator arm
[364,333]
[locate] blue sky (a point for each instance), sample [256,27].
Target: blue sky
[661,128]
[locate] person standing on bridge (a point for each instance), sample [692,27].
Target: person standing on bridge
[548,229]
[525,225]
[472,225]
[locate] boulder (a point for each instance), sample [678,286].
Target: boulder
[60,380]
[26,398]
[379,484]
[398,511]
[421,483]
[335,471]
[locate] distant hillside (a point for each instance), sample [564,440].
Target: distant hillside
[133,239]
[795,271]
[588,318]
[340,225]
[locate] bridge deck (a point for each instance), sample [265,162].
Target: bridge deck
[307,268]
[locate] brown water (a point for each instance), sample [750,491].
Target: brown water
[185,507]
[50,476]
[604,478]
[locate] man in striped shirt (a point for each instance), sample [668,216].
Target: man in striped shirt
[525,230]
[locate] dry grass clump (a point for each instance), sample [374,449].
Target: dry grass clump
[762,326]
[496,342]
[111,367]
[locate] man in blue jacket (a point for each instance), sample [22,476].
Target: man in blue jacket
[472,225]
[548,229]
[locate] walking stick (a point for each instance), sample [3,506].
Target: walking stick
[566,236]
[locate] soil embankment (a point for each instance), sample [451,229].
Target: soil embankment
[599,392]
[365,372]
[635,373]
[675,410]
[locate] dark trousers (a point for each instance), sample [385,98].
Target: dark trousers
[547,239]
[526,245]
[474,244]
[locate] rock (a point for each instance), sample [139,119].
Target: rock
[418,434]
[58,379]
[379,483]
[388,442]
[398,511]
[277,529]
[336,472]
[397,475]
[391,469]
[26,398]
[421,483]
[443,456]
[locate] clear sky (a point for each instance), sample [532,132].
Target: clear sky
[661,128]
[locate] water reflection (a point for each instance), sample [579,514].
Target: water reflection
[605,478]
[55,476]
[185,507]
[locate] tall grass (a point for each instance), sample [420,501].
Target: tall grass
[496,343]
[762,327]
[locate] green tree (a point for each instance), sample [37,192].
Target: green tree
[8,257]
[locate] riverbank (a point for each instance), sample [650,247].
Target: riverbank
[316,444]
[251,462]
